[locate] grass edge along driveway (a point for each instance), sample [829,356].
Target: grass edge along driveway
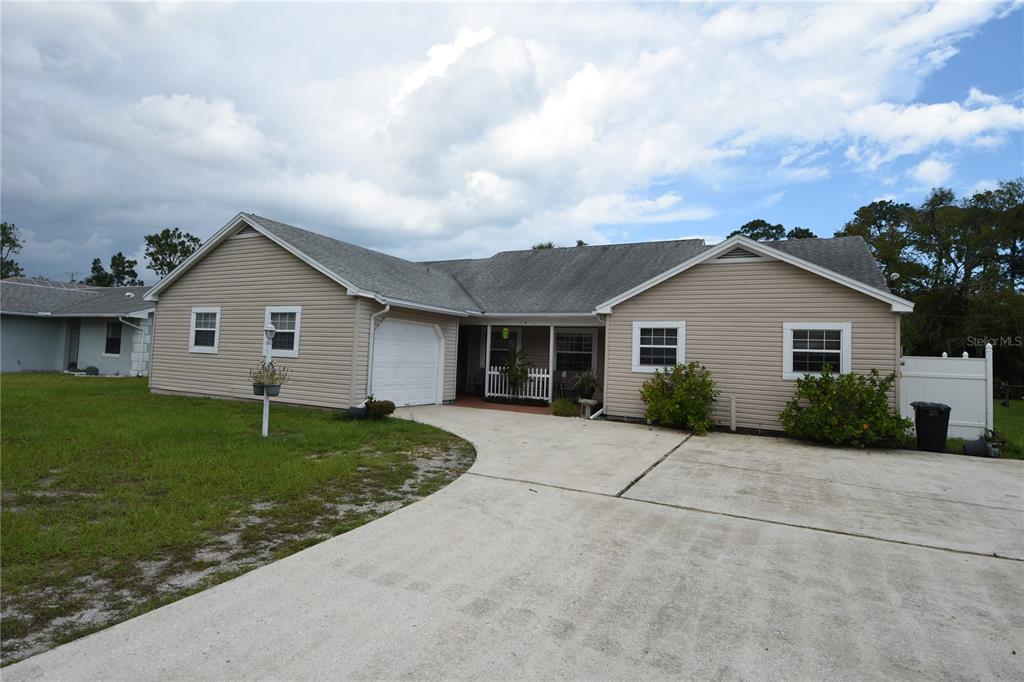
[116,501]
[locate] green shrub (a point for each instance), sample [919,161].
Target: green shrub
[563,407]
[378,409]
[682,396]
[844,409]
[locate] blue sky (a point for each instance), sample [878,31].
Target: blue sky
[434,131]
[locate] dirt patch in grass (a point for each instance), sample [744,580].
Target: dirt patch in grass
[91,538]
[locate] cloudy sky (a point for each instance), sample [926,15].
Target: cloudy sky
[433,131]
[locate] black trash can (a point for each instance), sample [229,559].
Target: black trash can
[931,421]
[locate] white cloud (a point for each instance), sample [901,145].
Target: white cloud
[463,129]
[932,172]
[439,58]
[977,98]
[983,185]
[890,130]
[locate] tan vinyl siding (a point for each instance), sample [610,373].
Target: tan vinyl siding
[242,276]
[449,325]
[734,315]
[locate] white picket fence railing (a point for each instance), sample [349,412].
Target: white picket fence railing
[964,383]
[536,387]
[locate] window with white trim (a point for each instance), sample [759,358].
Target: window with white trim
[658,344]
[574,351]
[810,346]
[286,320]
[204,334]
[112,347]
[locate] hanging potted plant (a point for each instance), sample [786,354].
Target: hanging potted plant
[274,378]
[586,385]
[267,378]
[258,375]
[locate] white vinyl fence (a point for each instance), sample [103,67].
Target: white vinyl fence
[536,387]
[965,384]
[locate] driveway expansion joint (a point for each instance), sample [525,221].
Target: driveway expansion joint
[755,519]
[836,481]
[651,468]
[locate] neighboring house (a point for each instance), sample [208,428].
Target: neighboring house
[352,321]
[47,325]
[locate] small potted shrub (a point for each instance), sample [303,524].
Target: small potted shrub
[378,409]
[586,385]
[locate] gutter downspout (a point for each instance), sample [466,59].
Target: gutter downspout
[369,350]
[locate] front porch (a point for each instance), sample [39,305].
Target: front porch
[556,356]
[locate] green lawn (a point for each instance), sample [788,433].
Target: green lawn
[115,500]
[1009,426]
[1009,429]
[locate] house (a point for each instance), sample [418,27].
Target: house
[352,322]
[47,325]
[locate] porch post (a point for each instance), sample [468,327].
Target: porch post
[551,363]
[487,365]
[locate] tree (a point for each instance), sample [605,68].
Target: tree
[800,233]
[760,230]
[166,249]
[959,261]
[580,242]
[10,244]
[121,274]
[544,245]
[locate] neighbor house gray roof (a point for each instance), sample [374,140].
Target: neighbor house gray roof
[374,271]
[33,296]
[576,279]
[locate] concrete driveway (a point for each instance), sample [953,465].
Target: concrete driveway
[599,550]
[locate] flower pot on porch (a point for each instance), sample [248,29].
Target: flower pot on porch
[257,389]
[587,393]
[273,389]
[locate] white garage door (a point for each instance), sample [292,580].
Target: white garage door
[406,363]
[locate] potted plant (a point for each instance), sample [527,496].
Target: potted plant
[586,385]
[275,378]
[267,378]
[516,370]
[258,376]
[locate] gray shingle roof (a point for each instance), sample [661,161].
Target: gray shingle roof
[848,256]
[577,279]
[66,299]
[374,271]
[111,301]
[568,280]
[572,279]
